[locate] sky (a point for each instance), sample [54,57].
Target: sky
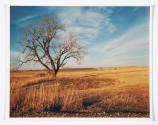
[112,36]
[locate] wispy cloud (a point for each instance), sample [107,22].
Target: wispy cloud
[110,27]
[89,22]
[26,18]
[136,9]
[131,48]
[136,35]
[88,33]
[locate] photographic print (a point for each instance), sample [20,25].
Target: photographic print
[79,61]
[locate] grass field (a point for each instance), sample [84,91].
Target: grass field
[89,92]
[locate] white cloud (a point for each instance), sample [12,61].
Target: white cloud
[111,28]
[15,55]
[25,21]
[91,19]
[26,18]
[89,33]
[131,34]
[136,9]
[131,48]
[87,62]
[87,23]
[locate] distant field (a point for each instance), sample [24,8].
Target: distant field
[86,92]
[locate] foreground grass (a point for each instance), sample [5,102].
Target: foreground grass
[104,92]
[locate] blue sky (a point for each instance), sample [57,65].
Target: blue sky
[112,36]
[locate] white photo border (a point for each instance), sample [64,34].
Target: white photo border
[5,66]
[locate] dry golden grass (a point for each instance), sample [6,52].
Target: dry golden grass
[98,92]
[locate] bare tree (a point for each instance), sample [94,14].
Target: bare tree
[40,44]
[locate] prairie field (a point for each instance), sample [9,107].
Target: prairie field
[84,92]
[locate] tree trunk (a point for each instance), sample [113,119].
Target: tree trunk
[53,73]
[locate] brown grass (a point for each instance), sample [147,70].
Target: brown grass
[98,92]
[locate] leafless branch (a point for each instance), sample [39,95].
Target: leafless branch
[40,45]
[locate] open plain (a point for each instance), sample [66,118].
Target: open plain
[87,92]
